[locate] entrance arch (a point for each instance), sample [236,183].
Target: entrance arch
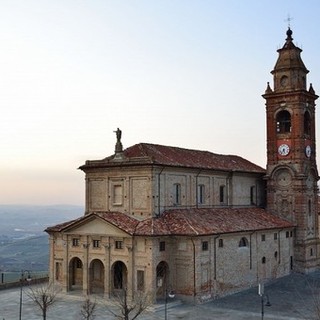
[75,274]
[96,276]
[119,277]
[162,279]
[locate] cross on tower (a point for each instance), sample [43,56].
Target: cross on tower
[288,20]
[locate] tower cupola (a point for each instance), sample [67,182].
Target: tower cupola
[289,71]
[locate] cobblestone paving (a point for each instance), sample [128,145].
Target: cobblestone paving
[292,297]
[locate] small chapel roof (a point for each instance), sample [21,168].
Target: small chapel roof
[187,222]
[154,154]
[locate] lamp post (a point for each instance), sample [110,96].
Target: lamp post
[22,280]
[263,297]
[171,295]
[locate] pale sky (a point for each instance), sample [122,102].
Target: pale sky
[174,72]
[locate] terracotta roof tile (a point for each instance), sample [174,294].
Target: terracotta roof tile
[118,219]
[191,222]
[212,221]
[174,156]
[146,153]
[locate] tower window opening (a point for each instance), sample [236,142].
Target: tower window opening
[307,123]
[309,207]
[283,122]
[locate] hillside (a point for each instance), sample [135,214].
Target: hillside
[23,242]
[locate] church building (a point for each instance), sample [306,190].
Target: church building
[160,218]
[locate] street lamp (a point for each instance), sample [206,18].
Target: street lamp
[171,295]
[264,299]
[22,280]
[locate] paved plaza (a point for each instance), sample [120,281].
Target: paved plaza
[293,297]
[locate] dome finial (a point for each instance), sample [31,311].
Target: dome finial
[289,31]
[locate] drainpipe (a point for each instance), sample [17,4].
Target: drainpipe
[250,249]
[194,271]
[215,256]
[109,271]
[279,247]
[230,189]
[87,265]
[197,188]
[159,202]
[133,264]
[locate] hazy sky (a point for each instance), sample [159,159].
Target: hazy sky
[174,72]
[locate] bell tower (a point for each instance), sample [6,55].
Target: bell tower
[291,153]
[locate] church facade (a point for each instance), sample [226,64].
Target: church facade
[161,218]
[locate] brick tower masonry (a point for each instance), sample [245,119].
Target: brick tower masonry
[292,174]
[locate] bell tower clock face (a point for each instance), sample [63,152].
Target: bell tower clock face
[308,151]
[283,149]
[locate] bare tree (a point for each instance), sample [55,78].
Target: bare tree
[43,296]
[130,309]
[88,309]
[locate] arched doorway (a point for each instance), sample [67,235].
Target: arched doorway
[119,276]
[96,276]
[162,279]
[75,274]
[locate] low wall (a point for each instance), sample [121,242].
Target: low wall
[13,279]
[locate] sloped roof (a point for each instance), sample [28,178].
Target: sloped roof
[211,221]
[188,222]
[118,219]
[146,153]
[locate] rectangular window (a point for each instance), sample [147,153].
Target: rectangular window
[119,244]
[275,236]
[200,194]
[263,237]
[117,194]
[75,242]
[291,234]
[287,234]
[205,245]
[177,194]
[140,280]
[253,195]
[162,246]
[222,194]
[96,243]
[220,244]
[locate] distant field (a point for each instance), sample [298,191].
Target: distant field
[23,242]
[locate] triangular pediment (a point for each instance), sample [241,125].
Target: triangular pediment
[97,226]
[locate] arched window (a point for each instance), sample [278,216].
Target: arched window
[243,242]
[283,122]
[307,123]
